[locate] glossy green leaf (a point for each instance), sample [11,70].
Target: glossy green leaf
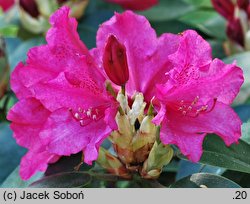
[10,152]
[173,26]
[243,112]
[204,180]
[200,3]
[243,179]
[246,132]
[19,53]
[168,10]
[63,180]
[216,153]
[208,21]
[14,180]
[243,61]
[187,168]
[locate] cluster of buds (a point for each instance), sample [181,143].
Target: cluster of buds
[4,68]
[237,14]
[34,14]
[136,142]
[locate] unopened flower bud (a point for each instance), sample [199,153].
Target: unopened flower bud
[248,11]
[243,4]
[122,139]
[30,6]
[159,156]
[34,14]
[115,61]
[112,164]
[144,139]
[235,31]
[225,8]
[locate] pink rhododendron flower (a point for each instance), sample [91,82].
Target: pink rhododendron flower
[64,107]
[6,4]
[195,100]
[135,4]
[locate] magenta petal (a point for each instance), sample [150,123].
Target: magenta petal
[221,82]
[190,144]
[27,117]
[64,32]
[188,132]
[35,161]
[68,136]
[193,51]
[17,83]
[147,55]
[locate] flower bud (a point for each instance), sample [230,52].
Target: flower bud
[144,139]
[30,6]
[243,4]
[34,14]
[159,156]
[235,32]
[112,164]
[115,61]
[225,8]
[248,11]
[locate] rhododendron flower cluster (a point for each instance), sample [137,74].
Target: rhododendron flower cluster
[237,14]
[141,91]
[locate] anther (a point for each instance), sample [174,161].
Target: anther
[77,116]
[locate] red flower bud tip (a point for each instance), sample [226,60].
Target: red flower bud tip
[30,6]
[61,1]
[243,4]
[248,11]
[225,8]
[235,31]
[115,61]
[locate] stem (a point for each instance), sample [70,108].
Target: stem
[123,89]
[110,89]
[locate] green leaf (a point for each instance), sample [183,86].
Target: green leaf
[10,152]
[217,48]
[63,180]
[246,132]
[200,3]
[14,180]
[205,180]
[187,168]
[173,26]
[167,10]
[208,21]
[216,153]
[9,31]
[243,61]
[88,26]
[19,53]
[243,112]
[243,179]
